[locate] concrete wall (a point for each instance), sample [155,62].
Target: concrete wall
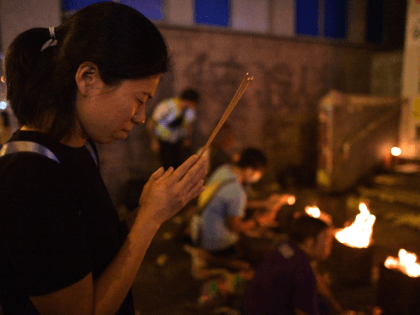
[17,16]
[410,142]
[386,73]
[278,112]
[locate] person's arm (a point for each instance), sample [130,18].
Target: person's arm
[164,194]
[271,205]
[237,225]
[327,294]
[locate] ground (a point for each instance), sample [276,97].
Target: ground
[164,284]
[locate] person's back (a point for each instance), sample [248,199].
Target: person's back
[282,275]
[229,199]
[285,282]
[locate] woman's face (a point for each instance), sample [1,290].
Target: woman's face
[108,113]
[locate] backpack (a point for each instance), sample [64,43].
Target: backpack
[203,200]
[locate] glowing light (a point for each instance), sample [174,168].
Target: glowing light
[359,233]
[3,105]
[2,78]
[291,200]
[313,211]
[406,263]
[395,151]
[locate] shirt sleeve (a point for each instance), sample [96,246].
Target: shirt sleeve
[41,231]
[235,198]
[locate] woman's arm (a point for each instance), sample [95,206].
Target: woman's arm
[164,195]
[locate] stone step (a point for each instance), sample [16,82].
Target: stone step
[402,194]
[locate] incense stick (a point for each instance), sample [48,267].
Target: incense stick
[244,84]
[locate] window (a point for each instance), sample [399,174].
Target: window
[335,18]
[212,12]
[74,5]
[152,9]
[307,17]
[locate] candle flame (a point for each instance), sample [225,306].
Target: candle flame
[406,263]
[395,151]
[291,200]
[359,233]
[313,211]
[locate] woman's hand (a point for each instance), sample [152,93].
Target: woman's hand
[169,191]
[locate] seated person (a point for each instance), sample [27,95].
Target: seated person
[219,219]
[285,282]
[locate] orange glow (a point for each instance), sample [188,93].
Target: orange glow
[291,200]
[396,151]
[406,263]
[2,78]
[359,233]
[313,211]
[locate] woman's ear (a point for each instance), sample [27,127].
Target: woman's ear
[87,78]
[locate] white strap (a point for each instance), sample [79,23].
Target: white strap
[27,146]
[91,151]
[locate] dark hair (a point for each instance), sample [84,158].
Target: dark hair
[6,120]
[41,85]
[304,227]
[190,95]
[253,158]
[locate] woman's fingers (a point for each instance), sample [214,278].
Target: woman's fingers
[157,174]
[195,191]
[184,167]
[194,174]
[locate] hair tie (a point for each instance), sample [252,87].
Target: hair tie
[52,33]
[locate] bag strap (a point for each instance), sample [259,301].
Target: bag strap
[34,147]
[27,146]
[212,190]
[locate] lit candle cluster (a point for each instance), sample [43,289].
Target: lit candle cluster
[359,233]
[406,263]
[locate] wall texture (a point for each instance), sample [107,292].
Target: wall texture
[278,113]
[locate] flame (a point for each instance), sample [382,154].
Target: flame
[313,211]
[291,200]
[395,151]
[406,263]
[360,232]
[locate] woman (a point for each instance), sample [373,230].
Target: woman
[61,247]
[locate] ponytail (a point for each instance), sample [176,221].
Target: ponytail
[25,69]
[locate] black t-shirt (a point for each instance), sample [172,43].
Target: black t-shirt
[57,223]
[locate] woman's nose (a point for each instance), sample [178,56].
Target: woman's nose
[139,116]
